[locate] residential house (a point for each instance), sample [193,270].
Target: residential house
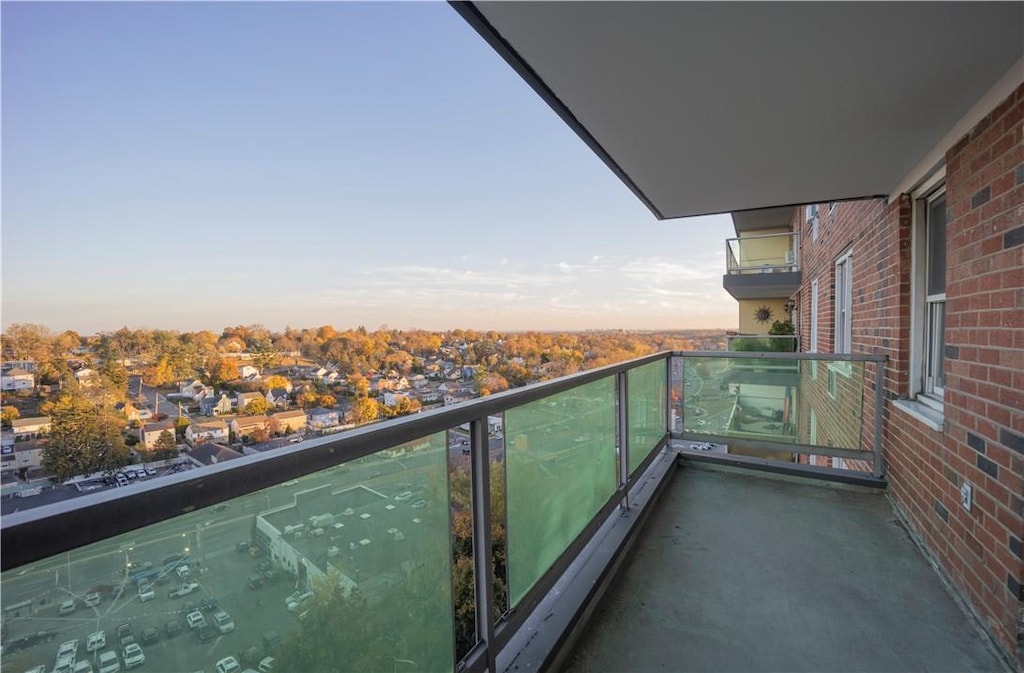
[290,420]
[248,372]
[277,397]
[25,429]
[243,399]
[29,455]
[215,405]
[28,365]
[203,392]
[321,419]
[206,431]
[87,377]
[429,395]
[244,427]
[17,378]
[190,388]
[212,453]
[150,433]
[391,399]
[129,410]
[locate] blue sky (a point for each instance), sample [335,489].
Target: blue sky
[195,165]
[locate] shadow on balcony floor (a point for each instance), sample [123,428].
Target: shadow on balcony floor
[742,573]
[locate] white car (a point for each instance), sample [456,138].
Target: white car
[67,607]
[404,495]
[266,665]
[294,604]
[108,662]
[146,593]
[133,655]
[195,619]
[92,599]
[223,622]
[67,648]
[228,665]
[96,641]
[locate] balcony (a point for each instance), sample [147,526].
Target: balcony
[760,266]
[349,552]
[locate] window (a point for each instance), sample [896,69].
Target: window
[930,290]
[843,304]
[812,220]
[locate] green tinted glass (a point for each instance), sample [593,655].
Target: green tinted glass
[794,401]
[346,569]
[560,467]
[647,405]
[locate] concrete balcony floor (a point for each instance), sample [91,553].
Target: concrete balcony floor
[741,572]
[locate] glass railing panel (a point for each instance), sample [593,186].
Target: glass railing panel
[762,343]
[770,253]
[345,569]
[647,406]
[813,402]
[560,471]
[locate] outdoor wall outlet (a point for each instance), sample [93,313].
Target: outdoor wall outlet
[966,491]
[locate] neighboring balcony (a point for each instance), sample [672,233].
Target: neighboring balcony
[419,545]
[762,266]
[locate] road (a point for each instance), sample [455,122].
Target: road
[154,399]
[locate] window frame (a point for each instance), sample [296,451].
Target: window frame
[927,343]
[842,330]
[812,214]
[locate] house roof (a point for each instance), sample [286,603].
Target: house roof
[295,413]
[320,411]
[17,371]
[711,107]
[217,424]
[279,392]
[211,453]
[33,420]
[249,396]
[251,421]
[159,426]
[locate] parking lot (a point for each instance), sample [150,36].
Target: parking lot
[207,541]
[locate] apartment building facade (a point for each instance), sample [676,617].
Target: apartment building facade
[934,280]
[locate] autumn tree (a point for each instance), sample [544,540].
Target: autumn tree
[365,410]
[83,438]
[274,381]
[180,423]
[159,374]
[8,414]
[257,406]
[221,370]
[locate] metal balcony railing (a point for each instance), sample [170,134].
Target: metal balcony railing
[766,253]
[408,545]
[772,343]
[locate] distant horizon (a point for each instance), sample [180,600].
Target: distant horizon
[274,330]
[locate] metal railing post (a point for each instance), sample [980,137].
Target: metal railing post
[878,466]
[622,396]
[682,392]
[483,568]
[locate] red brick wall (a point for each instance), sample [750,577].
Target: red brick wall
[983,439]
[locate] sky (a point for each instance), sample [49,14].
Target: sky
[197,165]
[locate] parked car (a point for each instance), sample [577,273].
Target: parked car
[242,547]
[228,665]
[108,662]
[146,592]
[67,607]
[124,634]
[205,633]
[294,604]
[255,581]
[195,619]
[92,599]
[96,641]
[223,621]
[266,665]
[150,635]
[133,655]
[183,590]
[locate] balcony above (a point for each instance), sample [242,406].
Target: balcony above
[762,266]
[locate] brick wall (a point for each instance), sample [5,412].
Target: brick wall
[983,438]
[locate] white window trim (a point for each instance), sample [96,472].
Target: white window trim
[812,216]
[814,317]
[844,260]
[931,188]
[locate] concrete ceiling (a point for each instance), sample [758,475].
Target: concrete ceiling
[717,107]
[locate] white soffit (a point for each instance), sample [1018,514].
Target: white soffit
[716,107]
